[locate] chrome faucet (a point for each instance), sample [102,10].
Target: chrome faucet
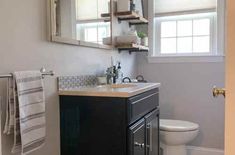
[111,75]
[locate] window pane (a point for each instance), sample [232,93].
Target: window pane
[168,29]
[102,33]
[86,9]
[184,45]
[79,32]
[185,28]
[168,45]
[201,44]
[103,7]
[91,34]
[201,27]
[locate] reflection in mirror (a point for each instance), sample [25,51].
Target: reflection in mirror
[90,27]
[81,20]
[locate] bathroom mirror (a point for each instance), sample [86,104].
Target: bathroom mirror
[79,22]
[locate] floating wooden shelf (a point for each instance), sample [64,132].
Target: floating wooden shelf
[132,48]
[132,17]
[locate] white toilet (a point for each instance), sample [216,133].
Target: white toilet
[175,134]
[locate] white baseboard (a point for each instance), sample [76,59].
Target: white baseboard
[192,150]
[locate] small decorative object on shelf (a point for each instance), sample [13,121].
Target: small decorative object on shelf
[132,5]
[144,38]
[139,7]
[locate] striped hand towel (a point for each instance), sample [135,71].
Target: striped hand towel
[28,112]
[9,125]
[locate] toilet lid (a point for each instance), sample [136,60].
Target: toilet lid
[177,125]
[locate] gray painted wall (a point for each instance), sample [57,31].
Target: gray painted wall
[23,46]
[185,91]
[186,94]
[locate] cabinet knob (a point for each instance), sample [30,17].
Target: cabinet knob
[141,145]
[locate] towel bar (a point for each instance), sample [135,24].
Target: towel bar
[43,71]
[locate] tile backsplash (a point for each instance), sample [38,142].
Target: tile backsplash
[71,82]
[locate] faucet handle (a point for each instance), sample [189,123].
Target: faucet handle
[109,70]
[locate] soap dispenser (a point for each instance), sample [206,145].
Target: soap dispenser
[119,73]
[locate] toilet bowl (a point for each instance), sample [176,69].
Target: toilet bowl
[175,134]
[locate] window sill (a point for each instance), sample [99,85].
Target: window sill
[185,59]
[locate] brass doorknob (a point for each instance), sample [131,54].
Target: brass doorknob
[218,91]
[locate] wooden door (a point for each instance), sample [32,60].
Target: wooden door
[230,80]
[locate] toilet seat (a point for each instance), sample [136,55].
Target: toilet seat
[177,125]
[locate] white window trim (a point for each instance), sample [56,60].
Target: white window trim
[185,59]
[219,45]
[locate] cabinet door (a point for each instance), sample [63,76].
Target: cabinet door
[137,138]
[152,133]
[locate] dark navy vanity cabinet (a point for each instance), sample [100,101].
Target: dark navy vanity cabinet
[110,125]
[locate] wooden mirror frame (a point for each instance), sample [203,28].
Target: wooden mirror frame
[51,20]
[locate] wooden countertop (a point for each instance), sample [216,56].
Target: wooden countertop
[115,90]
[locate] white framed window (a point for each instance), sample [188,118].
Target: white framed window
[186,35]
[186,31]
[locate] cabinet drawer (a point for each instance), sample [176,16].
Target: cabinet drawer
[140,105]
